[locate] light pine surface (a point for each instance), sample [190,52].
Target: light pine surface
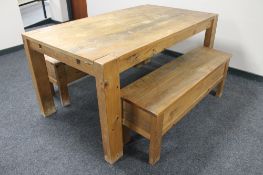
[154,92]
[112,35]
[106,45]
[157,101]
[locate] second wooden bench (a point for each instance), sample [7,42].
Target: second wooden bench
[157,101]
[61,75]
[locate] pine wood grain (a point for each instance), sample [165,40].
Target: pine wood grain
[157,101]
[155,139]
[106,45]
[112,35]
[61,75]
[188,69]
[108,92]
[37,67]
[210,34]
[62,82]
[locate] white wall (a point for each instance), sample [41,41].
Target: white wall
[11,24]
[23,1]
[240,26]
[33,13]
[58,10]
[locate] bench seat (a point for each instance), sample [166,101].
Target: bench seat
[157,101]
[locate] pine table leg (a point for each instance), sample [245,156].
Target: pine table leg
[37,66]
[209,42]
[210,34]
[109,100]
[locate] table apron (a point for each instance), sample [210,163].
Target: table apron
[128,60]
[73,61]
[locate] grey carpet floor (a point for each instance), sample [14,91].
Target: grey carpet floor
[219,136]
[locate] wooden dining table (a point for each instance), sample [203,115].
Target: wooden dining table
[103,46]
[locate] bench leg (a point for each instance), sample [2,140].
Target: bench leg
[155,139]
[62,83]
[64,95]
[126,135]
[52,88]
[220,86]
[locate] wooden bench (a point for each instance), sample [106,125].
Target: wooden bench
[61,75]
[157,101]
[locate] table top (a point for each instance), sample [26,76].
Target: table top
[109,36]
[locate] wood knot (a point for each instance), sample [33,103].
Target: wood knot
[105,83]
[78,61]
